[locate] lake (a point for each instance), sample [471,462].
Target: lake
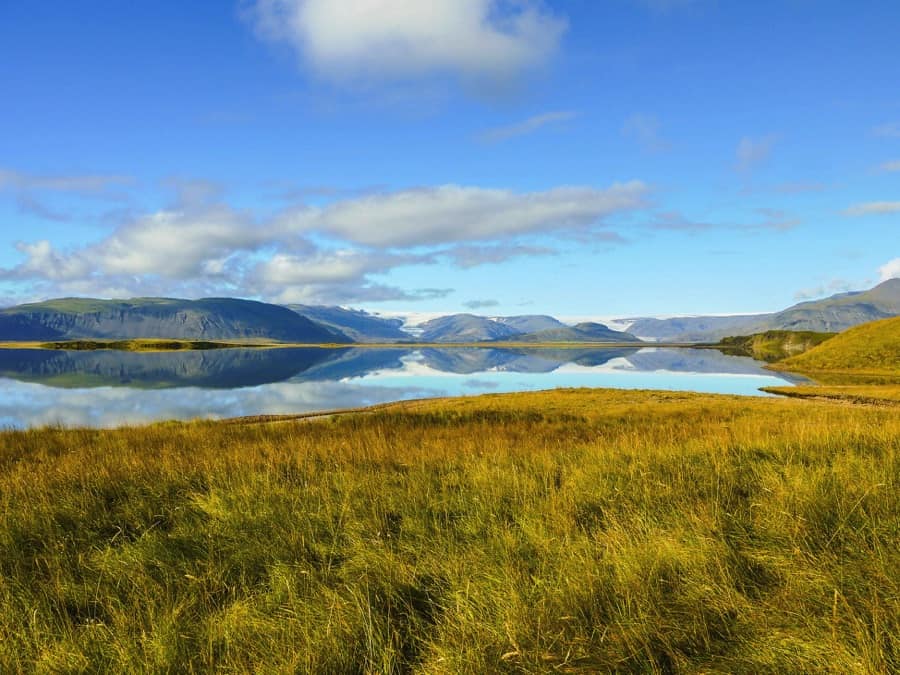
[109,388]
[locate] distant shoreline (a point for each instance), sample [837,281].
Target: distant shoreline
[165,345]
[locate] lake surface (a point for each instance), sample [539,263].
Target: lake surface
[112,388]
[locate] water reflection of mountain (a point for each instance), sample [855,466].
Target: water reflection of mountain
[701,361]
[470,361]
[236,368]
[211,369]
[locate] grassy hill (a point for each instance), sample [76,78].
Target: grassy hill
[773,345]
[566,531]
[873,348]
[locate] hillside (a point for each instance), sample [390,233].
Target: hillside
[207,319]
[358,325]
[773,345]
[582,332]
[871,348]
[830,315]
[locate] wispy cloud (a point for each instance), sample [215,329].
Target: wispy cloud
[754,151]
[872,209]
[82,184]
[473,256]
[889,130]
[824,289]
[480,304]
[526,127]
[793,188]
[645,129]
[890,167]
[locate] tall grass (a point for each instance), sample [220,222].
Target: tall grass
[572,531]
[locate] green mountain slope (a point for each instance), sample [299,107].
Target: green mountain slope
[870,348]
[206,319]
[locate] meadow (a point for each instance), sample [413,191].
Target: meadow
[564,531]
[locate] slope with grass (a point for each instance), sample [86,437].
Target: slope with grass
[571,531]
[773,345]
[870,349]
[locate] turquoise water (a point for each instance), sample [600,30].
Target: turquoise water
[109,388]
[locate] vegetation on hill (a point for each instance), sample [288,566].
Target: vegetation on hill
[872,348]
[578,531]
[208,319]
[773,345]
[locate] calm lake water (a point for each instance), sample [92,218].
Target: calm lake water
[111,388]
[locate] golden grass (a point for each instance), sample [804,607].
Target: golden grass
[864,394]
[871,349]
[570,531]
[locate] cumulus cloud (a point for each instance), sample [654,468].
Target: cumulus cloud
[872,209]
[325,253]
[453,213]
[352,40]
[754,151]
[645,129]
[528,126]
[890,270]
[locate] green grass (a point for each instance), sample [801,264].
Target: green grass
[870,349]
[570,531]
[773,345]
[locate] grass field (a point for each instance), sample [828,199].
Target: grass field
[569,531]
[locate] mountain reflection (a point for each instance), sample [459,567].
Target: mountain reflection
[110,388]
[237,368]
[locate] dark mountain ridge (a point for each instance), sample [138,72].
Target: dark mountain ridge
[206,319]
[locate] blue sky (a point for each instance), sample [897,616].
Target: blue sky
[578,157]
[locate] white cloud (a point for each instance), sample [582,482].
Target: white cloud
[873,209]
[890,270]
[891,166]
[215,249]
[351,40]
[453,213]
[528,126]
[753,151]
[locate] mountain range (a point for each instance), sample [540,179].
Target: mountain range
[233,319]
[830,315]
